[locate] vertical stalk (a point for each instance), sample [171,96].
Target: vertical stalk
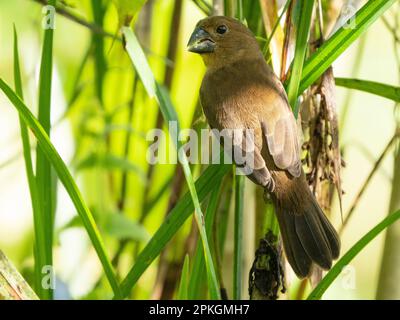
[286,40]
[98,50]
[197,277]
[39,236]
[219,231]
[229,8]
[240,13]
[238,237]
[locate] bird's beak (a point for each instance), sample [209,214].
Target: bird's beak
[200,42]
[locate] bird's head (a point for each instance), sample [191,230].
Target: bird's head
[222,40]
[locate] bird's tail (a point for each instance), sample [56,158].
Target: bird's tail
[308,236]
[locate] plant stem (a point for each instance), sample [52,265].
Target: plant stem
[45,183]
[238,236]
[39,235]
[286,41]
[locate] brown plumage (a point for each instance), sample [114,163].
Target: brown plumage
[240,91]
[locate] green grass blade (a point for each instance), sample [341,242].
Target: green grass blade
[320,61]
[139,59]
[12,285]
[240,12]
[376,88]
[39,236]
[45,80]
[238,238]
[70,186]
[205,185]
[45,185]
[345,260]
[17,71]
[197,274]
[204,7]
[220,228]
[183,286]
[136,54]
[303,31]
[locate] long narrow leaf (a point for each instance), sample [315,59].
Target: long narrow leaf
[65,177]
[183,286]
[46,189]
[320,61]
[345,260]
[376,88]
[39,235]
[98,46]
[136,54]
[303,30]
[238,238]
[275,28]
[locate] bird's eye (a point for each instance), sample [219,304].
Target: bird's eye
[222,29]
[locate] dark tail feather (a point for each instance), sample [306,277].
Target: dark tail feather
[295,253]
[308,236]
[332,235]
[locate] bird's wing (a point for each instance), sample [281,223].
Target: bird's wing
[252,164]
[280,131]
[245,153]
